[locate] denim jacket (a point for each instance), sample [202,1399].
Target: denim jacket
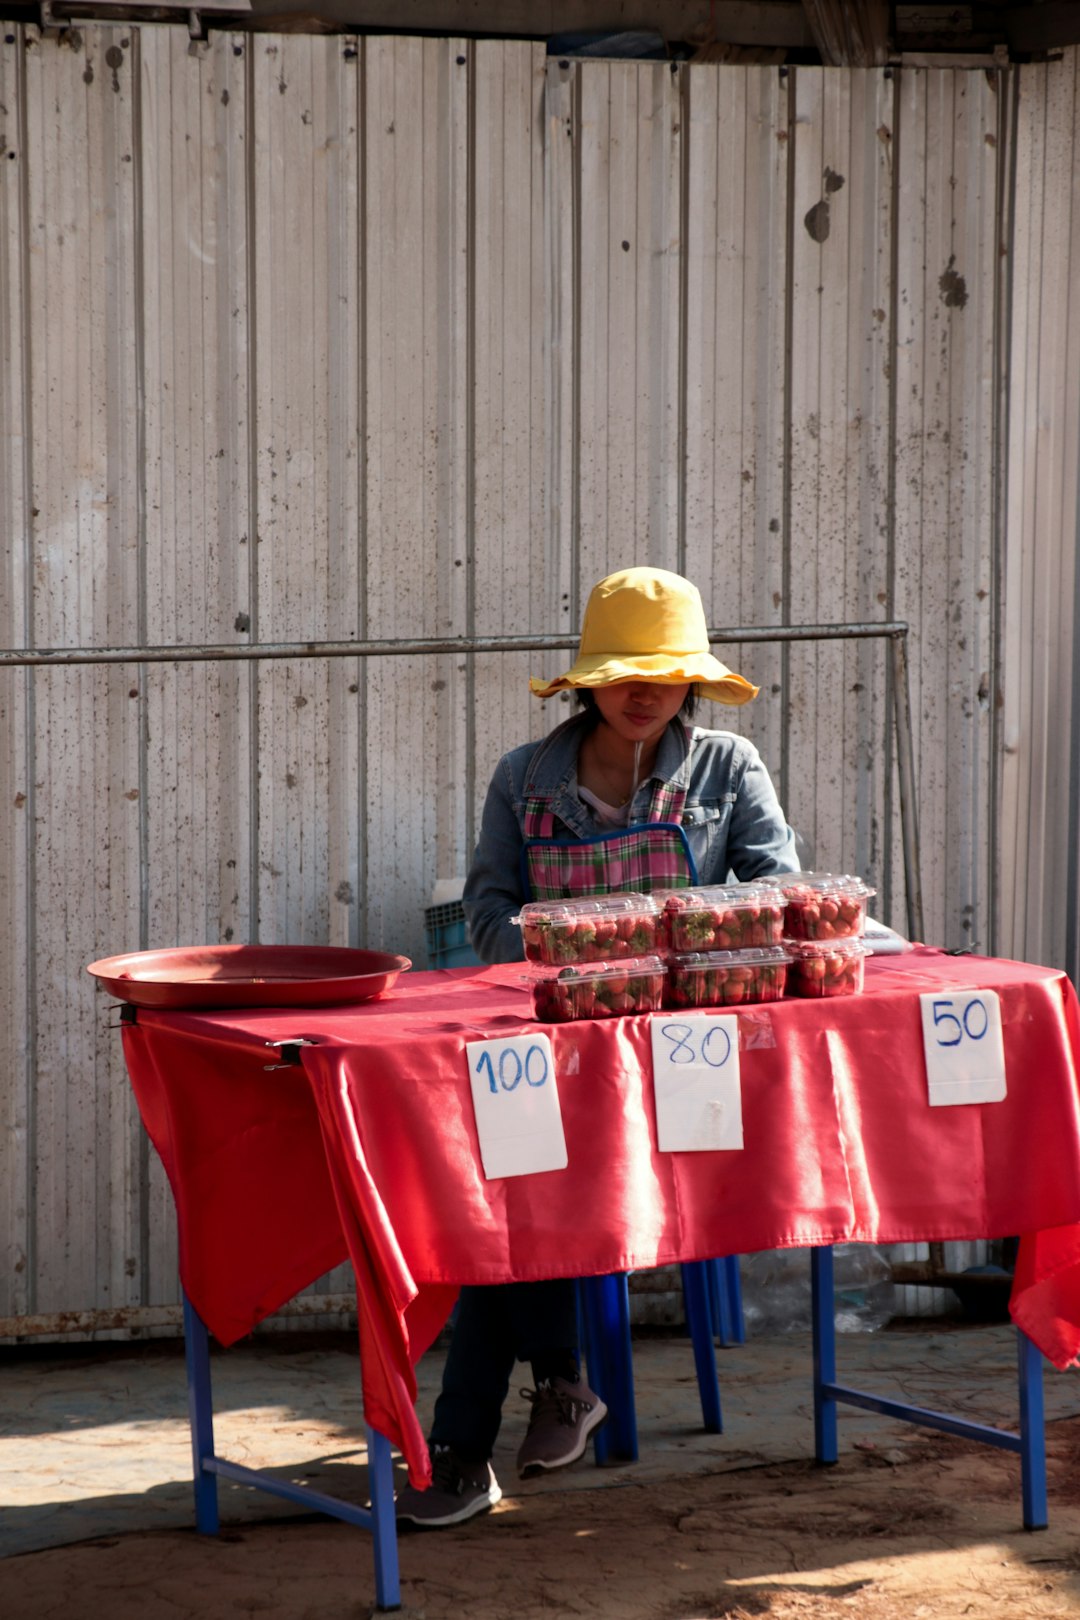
[731,817]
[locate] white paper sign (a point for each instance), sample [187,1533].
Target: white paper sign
[696,1082]
[965,1058]
[517,1105]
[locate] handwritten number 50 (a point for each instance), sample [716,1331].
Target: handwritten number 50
[944,1014]
[534,1069]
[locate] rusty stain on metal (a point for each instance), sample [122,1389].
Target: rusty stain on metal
[817,221]
[954,293]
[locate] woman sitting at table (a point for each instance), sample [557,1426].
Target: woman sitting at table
[659,803]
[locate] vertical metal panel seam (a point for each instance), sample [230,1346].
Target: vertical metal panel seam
[251,314]
[142,1141]
[575,350]
[891,696]
[1072,896]
[362,473]
[1008,124]
[30,694]
[470,429]
[791,76]
[682,403]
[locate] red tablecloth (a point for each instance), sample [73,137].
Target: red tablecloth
[370,1150]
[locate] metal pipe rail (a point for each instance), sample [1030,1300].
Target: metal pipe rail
[894,631]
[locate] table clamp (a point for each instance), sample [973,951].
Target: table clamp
[289,1052]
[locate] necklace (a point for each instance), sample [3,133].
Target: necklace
[614,783]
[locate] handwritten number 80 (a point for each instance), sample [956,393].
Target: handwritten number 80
[512,1069]
[683,1051]
[943,1014]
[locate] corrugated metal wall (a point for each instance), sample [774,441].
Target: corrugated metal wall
[317,338]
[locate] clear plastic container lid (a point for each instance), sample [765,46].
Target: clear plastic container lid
[597,905]
[805,950]
[634,967]
[601,928]
[709,961]
[809,885]
[722,897]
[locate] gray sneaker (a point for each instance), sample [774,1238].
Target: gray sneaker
[458,1491]
[563,1417]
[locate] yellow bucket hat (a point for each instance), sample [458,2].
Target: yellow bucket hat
[645,624]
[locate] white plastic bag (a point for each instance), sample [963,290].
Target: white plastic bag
[776,1290]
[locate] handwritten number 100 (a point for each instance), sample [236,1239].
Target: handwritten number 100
[943,1014]
[534,1069]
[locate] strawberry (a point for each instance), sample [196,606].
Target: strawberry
[643,938]
[697,990]
[551,1002]
[584,999]
[695,931]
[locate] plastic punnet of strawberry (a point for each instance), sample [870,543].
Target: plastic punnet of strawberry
[821,906]
[722,917]
[820,970]
[727,978]
[588,929]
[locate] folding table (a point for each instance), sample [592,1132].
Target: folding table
[294,1139]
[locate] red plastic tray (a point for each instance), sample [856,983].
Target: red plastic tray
[249,976]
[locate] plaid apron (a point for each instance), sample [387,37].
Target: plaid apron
[652,854]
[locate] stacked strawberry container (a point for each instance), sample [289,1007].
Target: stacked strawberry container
[824,924]
[724,944]
[593,958]
[727,945]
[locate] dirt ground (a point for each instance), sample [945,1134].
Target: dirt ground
[925,1529]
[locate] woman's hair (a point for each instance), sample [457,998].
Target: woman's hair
[583,696]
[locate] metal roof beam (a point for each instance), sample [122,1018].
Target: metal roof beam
[850,33]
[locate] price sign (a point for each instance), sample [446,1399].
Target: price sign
[517,1105]
[696,1082]
[965,1058]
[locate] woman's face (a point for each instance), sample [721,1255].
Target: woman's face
[638,711]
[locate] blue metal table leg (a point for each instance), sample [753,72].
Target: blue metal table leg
[824,1334]
[719,1302]
[379,1519]
[201,1416]
[1032,1433]
[383,1523]
[733,1293]
[609,1359]
[695,1281]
